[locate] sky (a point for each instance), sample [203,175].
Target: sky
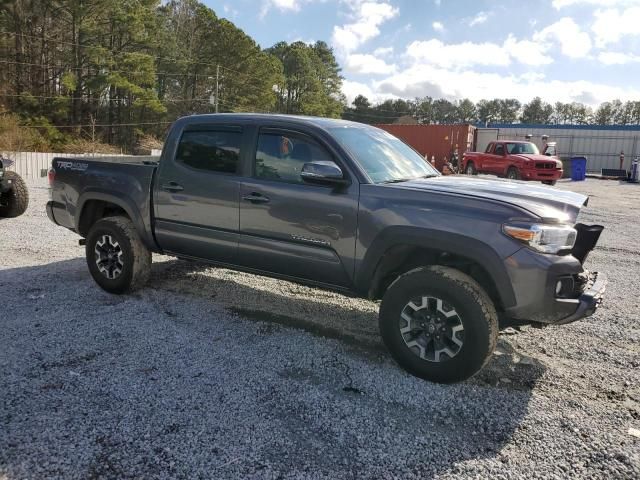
[561,50]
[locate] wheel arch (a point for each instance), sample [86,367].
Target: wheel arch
[400,249]
[93,206]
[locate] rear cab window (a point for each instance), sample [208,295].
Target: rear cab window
[215,150]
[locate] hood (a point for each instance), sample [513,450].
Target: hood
[536,158]
[542,201]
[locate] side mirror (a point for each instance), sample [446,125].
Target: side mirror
[548,154]
[323,173]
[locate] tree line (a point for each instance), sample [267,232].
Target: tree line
[508,110]
[114,72]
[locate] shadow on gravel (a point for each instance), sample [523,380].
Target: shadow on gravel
[161,384]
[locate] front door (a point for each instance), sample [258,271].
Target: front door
[294,228]
[196,201]
[497,160]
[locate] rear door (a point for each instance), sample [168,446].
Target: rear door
[196,199]
[294,228]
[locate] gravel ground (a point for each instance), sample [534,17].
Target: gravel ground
[209,373]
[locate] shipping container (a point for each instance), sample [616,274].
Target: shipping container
[437,141]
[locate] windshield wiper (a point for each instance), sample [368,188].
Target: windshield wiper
[398,180]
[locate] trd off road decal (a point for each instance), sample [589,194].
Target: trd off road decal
[76,166]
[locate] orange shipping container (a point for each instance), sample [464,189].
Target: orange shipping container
[435,140]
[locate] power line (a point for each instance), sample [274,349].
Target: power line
[98,99]
[133,72]
[102,125]
[156,57]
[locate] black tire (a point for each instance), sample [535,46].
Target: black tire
[130,259]
[474,311]
[550,182]
[15,201]
[513,173]
[470,169]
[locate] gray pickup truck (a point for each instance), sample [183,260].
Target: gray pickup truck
[343,206]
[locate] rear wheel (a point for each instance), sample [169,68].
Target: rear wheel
[15,200]
[513,174]
[117,259]
[438,324]
[470,169]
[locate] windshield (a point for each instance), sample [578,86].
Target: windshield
[526,148]
[382,156]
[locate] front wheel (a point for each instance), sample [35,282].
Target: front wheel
[550,182]
[470,169]
[438,324]
[118,260]
[513,174]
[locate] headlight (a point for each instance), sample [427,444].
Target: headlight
[544,238]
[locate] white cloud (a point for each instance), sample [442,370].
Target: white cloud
[282,5]
[574,42]
[558,4]
[422,79]
[612,24]
[367,64]
[480,18]
[367,17]
[438,26]
[383,51]
[618,58]
[466,54]
[526,52]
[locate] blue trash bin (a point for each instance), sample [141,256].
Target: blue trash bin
[578,168]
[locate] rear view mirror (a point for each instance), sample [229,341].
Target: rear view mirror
[323,172]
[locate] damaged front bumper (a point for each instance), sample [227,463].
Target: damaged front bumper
[589,300]
[556,289]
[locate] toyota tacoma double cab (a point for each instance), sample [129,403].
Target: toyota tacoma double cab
[515,160]
[341,206]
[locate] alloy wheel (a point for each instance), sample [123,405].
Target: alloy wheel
[109,257]
[432,329]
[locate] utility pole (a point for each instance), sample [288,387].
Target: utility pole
[217,86]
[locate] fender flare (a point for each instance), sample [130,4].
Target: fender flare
[442,241]
[126,204]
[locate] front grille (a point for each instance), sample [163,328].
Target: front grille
[547,165]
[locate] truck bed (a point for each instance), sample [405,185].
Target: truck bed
[123,180]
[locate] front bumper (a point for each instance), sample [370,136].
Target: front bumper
[589,300]
[541,174]
[555,289]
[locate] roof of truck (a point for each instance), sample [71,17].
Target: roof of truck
[319,121]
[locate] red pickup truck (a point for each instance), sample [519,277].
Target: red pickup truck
[513,159]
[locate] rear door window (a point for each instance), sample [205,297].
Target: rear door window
[499,149]
[210,151]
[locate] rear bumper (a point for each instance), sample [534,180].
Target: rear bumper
[50,212]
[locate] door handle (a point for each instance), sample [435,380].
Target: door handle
[172,187]
[255,198]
